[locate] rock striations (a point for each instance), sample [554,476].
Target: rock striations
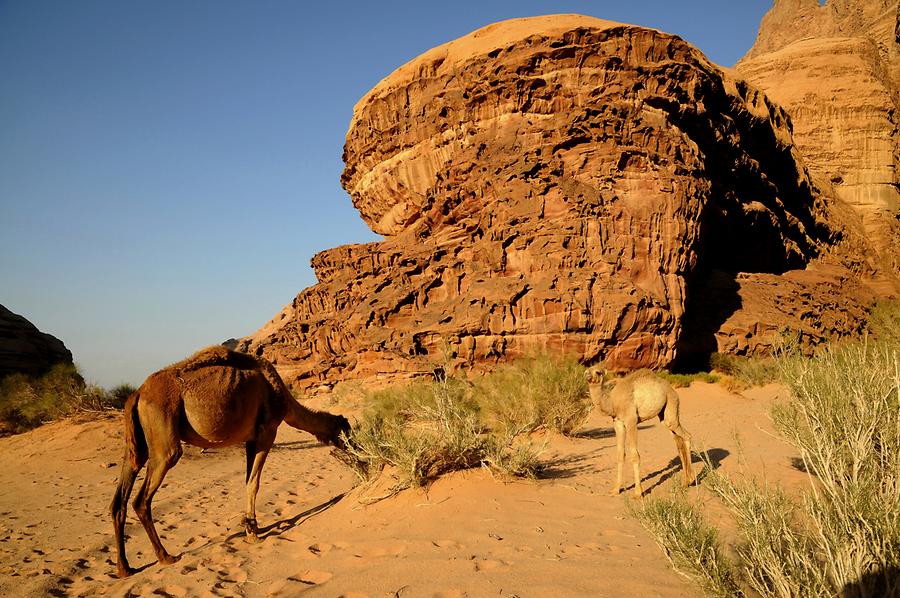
[24,348]
[835,68]
[566,183]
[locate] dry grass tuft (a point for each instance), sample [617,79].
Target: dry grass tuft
[429,428]
[842,538]
[533,393]
[691,545]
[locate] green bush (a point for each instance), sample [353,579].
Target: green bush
[747,371]
[884,322]
[119,394]
[683,380]
[28,401]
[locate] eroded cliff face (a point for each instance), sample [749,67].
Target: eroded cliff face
[835,69]
[554,182]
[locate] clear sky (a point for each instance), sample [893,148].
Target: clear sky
[168,169]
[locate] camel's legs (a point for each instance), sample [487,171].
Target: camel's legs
[119,509]
[631,437]
[619,426]
[684,453]
[256,458]
[162,459]
[682,441]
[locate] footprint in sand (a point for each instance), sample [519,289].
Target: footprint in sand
[489,565]
[172,591]
[292,586]
[232,575]
[320,548]
[453,544]
[188,569]
[586,548]
[312,577]
[450,594]
[377,551]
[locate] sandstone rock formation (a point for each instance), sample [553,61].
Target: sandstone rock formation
[24,348]
[566,183]
[835,68]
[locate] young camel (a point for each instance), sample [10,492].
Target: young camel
[638,397]
[215,398]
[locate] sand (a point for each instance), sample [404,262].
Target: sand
[467,535]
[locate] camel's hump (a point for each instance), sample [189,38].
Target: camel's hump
[216,355]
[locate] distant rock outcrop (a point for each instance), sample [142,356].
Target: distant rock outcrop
[835,68]
[24,348]
[573,184]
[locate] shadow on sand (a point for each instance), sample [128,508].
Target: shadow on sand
[713,456]
[296,445]
[279,527]
[881,582]
[569,466]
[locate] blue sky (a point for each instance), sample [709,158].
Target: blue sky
[168,169]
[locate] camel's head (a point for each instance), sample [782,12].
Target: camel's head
[595,374]
[341,433]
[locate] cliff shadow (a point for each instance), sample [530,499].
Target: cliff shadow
[712,298]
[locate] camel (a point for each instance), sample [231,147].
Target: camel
[638,397]
[215,398]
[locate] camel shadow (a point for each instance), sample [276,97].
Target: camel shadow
[601,433]
[284,525]
[596,433]
[713,456]
[568,466]
[295,445]
[279,527]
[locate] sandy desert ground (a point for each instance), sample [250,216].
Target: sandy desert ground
[467,535]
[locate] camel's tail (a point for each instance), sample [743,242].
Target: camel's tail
[135,443]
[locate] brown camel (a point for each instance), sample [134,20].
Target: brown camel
[215,398]
[638,397]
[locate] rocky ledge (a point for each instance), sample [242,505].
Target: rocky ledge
[571,184]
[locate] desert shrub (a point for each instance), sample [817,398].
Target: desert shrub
[691,545]
[884,322]
[844,418]
[119,394]
[682,380]
[776,551]
[426,429]
[724,363]
[745,372]
[535,392]
[29,401]
[842,537]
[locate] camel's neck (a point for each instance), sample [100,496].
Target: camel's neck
[600,398]
[318,423]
